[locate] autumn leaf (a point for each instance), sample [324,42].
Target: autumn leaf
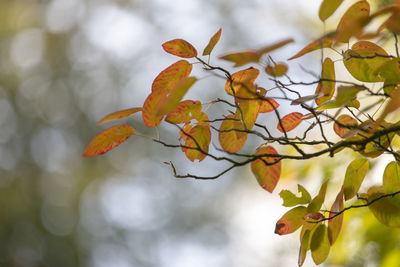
[119,115]
[327,8]
[249,110]
[180,48]
[277,70]
[290,199]
[355,174]
[335,224]
[108,139]
[231,134]
[320,43]
[316,203]
[290,221]
[243,79]
[168,78]
[184,112]
[327,85]
[197,141]
[267,105]
[391,178]
[386,210]
[290,121]
[267,175]
[320,245]
[345,120]
[211,44]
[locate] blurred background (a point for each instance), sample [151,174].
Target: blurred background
[64,64]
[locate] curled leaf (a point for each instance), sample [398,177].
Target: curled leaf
[211,44]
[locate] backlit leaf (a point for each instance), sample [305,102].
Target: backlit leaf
[184,112]
[391,177]
[211,44]
[386,210]
[352,22]
[315,45]
[366,68]
[250,110]
[290,199]
[267,175]
[279,69]
[230,140]
[290,221]
[316,204]
[108,139]
[180,48]
[167,79]
[267,105]
[390,71]
[290,121]
[171,100]
[320,245]
[345,120]
[327,85]
[201,135]
[335,224]
[119,115]
[150,108]
[304,246]
[355,175]
[303,99]
[241,79]
[327,8]
[345,97]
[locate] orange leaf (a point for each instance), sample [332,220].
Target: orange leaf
[119,115]
[167,79]
[230,138]
[327,88]
[241,79]
[267,175]
[290,121]
[150,108]
[278,70]
[322,42]
[201,135]
[108,139]
[267,105]
[345,120]
[171,100]
[184,112]
[213,41]
[180,48]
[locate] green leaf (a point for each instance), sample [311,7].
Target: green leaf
[211,44]
[290,221]
[390,71]
[387,209]
[250,110]
[391,177]
[355,175]
[290,199]
[335,224]
[327,86]
[317,201]
[304,246]
[320,245]
[327,8]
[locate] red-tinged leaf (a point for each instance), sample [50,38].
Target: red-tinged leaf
[327,8]
[316,204]
[241,79]
[278,70]
[171,100]
[303,99]
[391,178]
[108,139]
[290,199]
[327,86]
[119,115]
[183,134]
[345,120]
[150,108]
[231,140]
[197,141]
[168,78]
[352,22]
[335,224]
[184,112]
[315,45]
[211,44]
[320,245]
[365,69]
[290,121]
[290,221]
[242,58]
[180,48]
[355,175]
[386,210]
[250,110]
[267,105]
[267,175]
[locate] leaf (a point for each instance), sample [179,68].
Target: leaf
[171,100]
[244,57]
[345,97]
[231,140]
[363,61]
[290,221]
[108,139]
[304,246]
[290,121]
[267,175]
[119,115]
[345,120]
[327,85]
[267,105]
[391,178]
[303,99]
[290,199]
[211,44]
[352,22]
[184,112]
[320,43]
[180,48]
[198,138]
[392,105]
[168,78]
[278,70]
[316,204]
[387,209]
[390,71]
[150,108]
[250,109]
[327,8]
[335,224]
[241,79]
[320,244]
[355,175]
